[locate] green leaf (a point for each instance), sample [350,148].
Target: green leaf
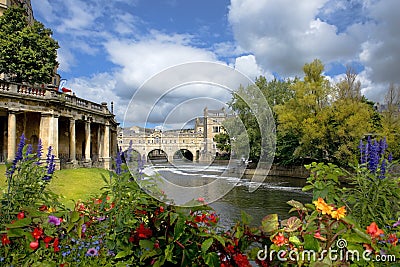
[16,232]
[123,254]
[74,216]
[19,223]
[311,243]
[220,239]
[270,223]
[212,259]
[179,227]
[295,240]
[146,244]
[206,244]
[307,188]
[292,224]
[246,218]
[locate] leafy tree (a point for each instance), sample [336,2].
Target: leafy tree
[28,53]
[223,142]
[323,122]
[299,118]
[391,120]
[275,92]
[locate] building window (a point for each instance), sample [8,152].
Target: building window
[216,129]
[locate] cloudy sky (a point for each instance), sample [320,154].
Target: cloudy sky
[110,48]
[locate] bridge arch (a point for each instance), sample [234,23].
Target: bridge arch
[184,154]
[157,155]
[133,157]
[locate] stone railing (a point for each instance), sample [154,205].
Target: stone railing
[15,89]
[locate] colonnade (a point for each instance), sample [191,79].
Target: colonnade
[49,136]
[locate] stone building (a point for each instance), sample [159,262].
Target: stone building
[80,132]
[26,4]
[195,144]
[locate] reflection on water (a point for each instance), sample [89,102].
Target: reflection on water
[270,197]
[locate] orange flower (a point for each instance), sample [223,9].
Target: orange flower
[339,213]
[279,239]
[374,231]
[322,206]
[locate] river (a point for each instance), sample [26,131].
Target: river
[270,197]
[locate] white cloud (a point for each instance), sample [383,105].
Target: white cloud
[249,67]
[283,35]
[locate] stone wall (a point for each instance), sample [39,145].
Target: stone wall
[284,171]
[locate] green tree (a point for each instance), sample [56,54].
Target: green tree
[323,122]
[223,142]
[275,92]
[391,120]
[28,53]
[299,118]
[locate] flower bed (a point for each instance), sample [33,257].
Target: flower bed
[124,226]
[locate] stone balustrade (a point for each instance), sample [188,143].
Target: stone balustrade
[44,93]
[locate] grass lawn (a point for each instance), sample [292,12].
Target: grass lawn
[73,184]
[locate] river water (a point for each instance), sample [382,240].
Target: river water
[270,197]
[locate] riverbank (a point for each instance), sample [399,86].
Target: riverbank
[282,171]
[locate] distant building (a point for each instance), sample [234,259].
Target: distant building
[199,141]
[26,4]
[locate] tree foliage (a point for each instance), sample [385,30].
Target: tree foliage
[275,92]
[316,121]
[28,53]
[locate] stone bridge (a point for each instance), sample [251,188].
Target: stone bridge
[169,144]
[80,132]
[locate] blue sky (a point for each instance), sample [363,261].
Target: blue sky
[109,48]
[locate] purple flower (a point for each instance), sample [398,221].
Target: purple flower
[10,171]
[390,157]
[84,227]
[29,150]
[102,218]
[118,162]
[383,169]
[54,220]
[51,166]
[129,152]
[396,223]
[92,252]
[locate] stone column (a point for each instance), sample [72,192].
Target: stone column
[87,141]
[11,139]
[48,134]
[106,147]
[72,141]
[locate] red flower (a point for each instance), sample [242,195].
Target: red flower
[279,239]
[5,240]
[34,245]
[55,245]
[37,233]
[131,239]
[374,231]
[20,215]
[319,236]
[47,240]
[241,260]
[43,208]
[392,239]
[156,245]
[161,209]
[144,232]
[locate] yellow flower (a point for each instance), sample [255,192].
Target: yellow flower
[339,213]
[322,206]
